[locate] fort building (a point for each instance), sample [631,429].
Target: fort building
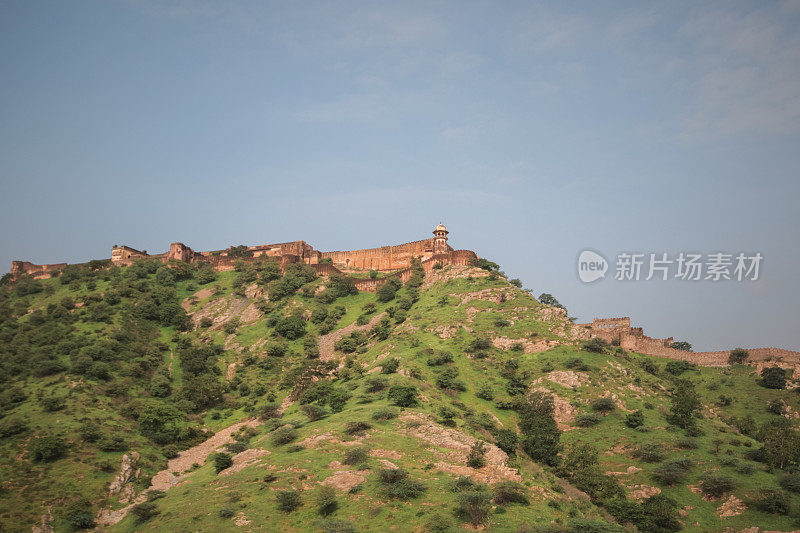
[387,260]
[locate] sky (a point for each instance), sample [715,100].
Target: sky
[533,131]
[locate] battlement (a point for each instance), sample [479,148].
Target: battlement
[392,260]
[619,331]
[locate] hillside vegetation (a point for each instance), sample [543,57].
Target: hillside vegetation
[166,397]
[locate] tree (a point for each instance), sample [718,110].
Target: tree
[781,443]
[773,377]
[685,402]
[541,440]
[548,299]
[222,461]
[403,395]
[682,345]
[485,264]
[738,356]
[160,422]
[388,290]
[239,251]
[291,327]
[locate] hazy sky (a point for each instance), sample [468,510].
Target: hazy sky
[532,131]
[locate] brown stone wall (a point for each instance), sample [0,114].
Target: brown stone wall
[383,258]
[25,268]
[634,340]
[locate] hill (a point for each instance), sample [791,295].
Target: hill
[159,397]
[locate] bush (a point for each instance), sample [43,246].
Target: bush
[509,492]
[48,448]
[440,358]
[477,455]
[403,395]
[676,368]
[576,363]
[313,411]
[772,501]
[673,471]
[635,419]
[288,500]
[738,356]
[486,392]
[791,482]
[12,426]
[231,326]
[144,512]
[206,322]
[506,440]
[79,515]
[326,500]
[397,484]
[355,427]
[603,405]
[716,484]
[475,505]
[651,452]
[222,461]
[284,435]
[585,420]
[773,378]
[291,327]
[355,456]
[376,384]
[384,413]
[595,345]
[390,366]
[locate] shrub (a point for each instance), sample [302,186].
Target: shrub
[355,456]
[773,378]
[651,452]
[326,500]
[475,505]
[585,420]
[403,395]
[440,358]
[384,413]
[390,366]
[576,363]
[355,427]
[288,500]
[509,492]
[738,356]
[397,484]
[222,461]
[673,471]
[486,392]
[376,384]
[231,326]
[776,407]
[716,484]
[313,411]
[791,482]
[477,455]
[79,514]
[144,512]
[603,405]
[292,327]
[772,501]
[635,419]
[12,426]
[48,448]
[479,344]
[284,435]
[595,345]
[447,379]
[676,368]
[506,440]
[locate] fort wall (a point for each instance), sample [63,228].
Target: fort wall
[383,258]
[25,268]
[618,330]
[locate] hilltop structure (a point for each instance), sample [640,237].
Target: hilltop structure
[387,260]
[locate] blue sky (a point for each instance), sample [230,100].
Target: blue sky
[532,130]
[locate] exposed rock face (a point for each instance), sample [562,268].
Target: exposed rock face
[495,470]
[346,479]
[733,506]
[127,473]
[567,378]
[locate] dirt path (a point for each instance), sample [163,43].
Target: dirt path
[180,465]
[326,342]
[171,359]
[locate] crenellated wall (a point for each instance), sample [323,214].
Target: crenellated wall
[618,330]
[383,258]
[24,268]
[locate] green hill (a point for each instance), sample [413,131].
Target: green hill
[157,397]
